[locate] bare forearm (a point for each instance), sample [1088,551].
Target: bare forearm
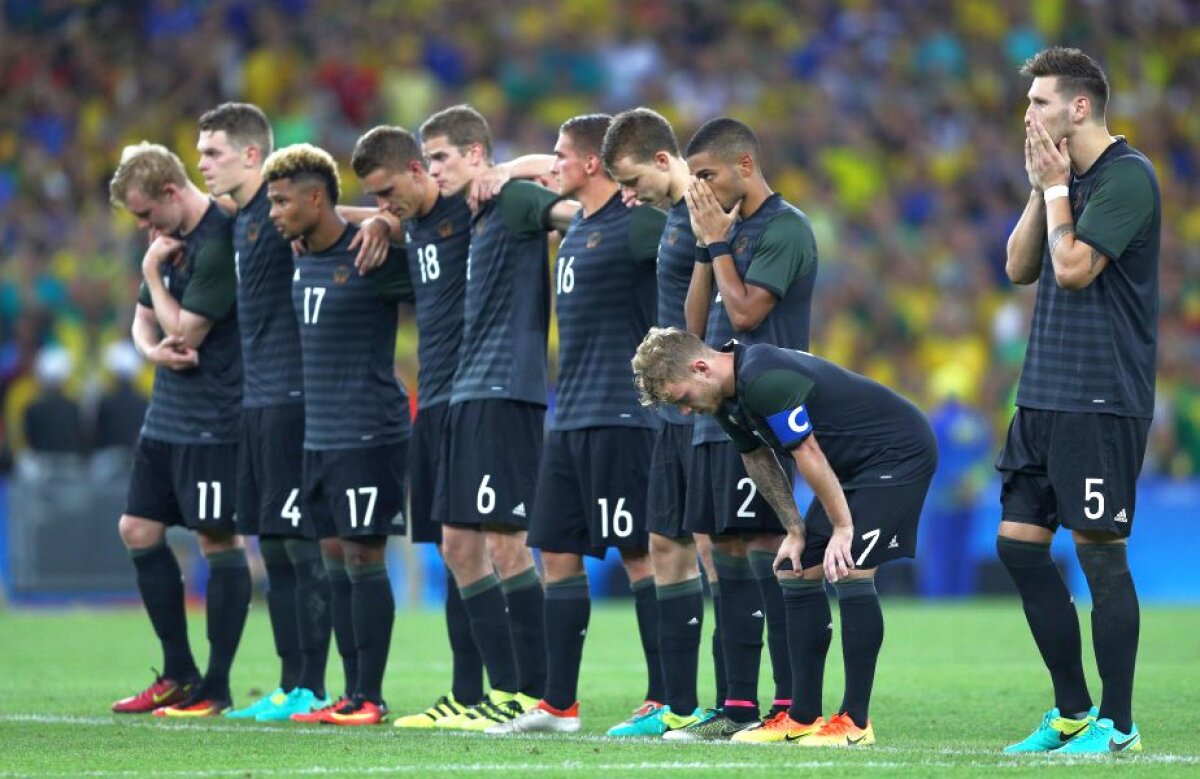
[776,488]
[699,298]
[815,469]
[1024,255]
[145,332]
[173,319]
[1075,263]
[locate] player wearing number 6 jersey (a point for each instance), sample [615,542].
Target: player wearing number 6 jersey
[870,472]
[184,468]
[356,425]
[591,488]
[1090,234]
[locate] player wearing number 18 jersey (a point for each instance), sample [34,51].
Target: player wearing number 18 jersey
[356,412]
[870,473]
[389,162]
[591,488]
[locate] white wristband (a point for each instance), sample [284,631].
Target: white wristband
[1055,192]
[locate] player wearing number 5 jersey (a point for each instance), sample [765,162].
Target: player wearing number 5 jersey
[591,489]
[1090,235]
[184,469]
[356,413]
[870,472]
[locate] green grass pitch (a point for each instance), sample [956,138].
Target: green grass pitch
[955,683]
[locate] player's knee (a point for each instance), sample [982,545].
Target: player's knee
[1101,561]
[1014,553]
[637,565]
[365,551]
[212,543]
[138,533]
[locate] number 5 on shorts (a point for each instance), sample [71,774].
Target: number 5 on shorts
[1089,494]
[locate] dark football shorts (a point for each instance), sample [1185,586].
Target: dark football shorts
[885,524]
[1076,470]
[668,488]
[490,455]
[193,485]
[271,460]
[721,498]
[591,491]
[424,459]
[356,493]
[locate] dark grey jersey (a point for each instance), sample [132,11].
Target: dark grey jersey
[352,398]
[202,405]
[270,337]
[676,260]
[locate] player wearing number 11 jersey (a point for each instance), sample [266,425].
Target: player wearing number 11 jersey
[356,413]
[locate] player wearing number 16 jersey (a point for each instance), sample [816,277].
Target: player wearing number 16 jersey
[356,413]
[870,473]
[591,490]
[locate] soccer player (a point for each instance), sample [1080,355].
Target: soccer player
[870,471]
[184,468]
[356,419]
[591,488]
[494,432]
[234,140]
[641,153]
[764,261]
[1090,233]
[389,163]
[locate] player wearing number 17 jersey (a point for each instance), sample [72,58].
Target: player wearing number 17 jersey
[591,490]
[870,473]
[356,413]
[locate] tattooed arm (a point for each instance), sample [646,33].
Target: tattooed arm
[1076,264]
[775,486]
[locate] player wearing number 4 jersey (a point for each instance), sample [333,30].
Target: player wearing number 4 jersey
[437,229]
[356,413]
[1090,234]
[185,462]
[591,490]
[234,140]
[870,473]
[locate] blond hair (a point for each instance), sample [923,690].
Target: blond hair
[304,161]
[147,167]
[662,358]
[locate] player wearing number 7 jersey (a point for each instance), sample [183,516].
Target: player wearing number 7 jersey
[591,488]
[870,473]
[356,419]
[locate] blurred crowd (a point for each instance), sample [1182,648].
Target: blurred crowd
[896,126]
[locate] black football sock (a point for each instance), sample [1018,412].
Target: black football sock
[484,602]
[1116,625]
[282,609]
[680,619]
[374,610]
[568,610]
[1052,619]
[718,653]
[646,606]
[313,612]
[526,614]
[342,617]
[761,563]
[862,636]
[160,583]
[810,631]
[466,683]
[226,605]
[741,635]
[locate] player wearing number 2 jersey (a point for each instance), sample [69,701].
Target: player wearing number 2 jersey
[591,489]
[870,473]
[356,412]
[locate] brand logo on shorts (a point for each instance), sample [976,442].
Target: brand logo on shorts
[1120,517]
[398,519]
[693,621]
[757,613]
[519,511]
[893,544]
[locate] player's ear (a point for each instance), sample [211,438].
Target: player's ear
[662,160]
[746,165]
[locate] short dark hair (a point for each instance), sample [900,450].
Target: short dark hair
[384,147]
[724,138]
[462,125]
[639,134]
[586,132]
[244,125]
[304,162]
[1076,72]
